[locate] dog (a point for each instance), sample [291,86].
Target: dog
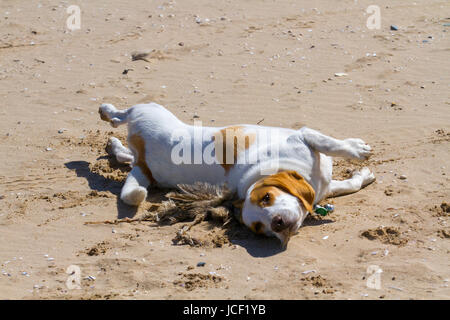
[278,174]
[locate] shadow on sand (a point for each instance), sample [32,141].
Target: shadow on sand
[99,183]
[256,245]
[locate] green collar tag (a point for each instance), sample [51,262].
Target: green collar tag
[323,211]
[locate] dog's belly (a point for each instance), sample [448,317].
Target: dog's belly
[175,161]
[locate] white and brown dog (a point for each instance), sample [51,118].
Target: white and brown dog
[279,174]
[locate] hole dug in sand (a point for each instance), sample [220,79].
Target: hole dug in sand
[442,211]
[387,235]
[320,283]
[98,249]
[192,281]
[205,210]
[208,210]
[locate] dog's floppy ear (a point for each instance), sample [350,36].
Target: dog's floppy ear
[290,181]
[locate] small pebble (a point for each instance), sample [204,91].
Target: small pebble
[394,28]
[201,264]
[402,177]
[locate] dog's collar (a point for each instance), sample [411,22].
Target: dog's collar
[323,211]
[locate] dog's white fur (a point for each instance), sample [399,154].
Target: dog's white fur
[305,151]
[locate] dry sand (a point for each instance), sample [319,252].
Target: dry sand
[272,62]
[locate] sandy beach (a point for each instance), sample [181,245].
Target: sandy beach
[277,63]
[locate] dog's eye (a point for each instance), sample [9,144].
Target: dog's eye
[266,197]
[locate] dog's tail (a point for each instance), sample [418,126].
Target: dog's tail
[110,114]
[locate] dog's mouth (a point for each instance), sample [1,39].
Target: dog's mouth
[285,235]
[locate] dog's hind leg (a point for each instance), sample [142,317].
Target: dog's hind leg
[134,190]
[110,114]
[359,180]
[117,150]
[348,148]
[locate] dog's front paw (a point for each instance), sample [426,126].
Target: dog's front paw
[358,149]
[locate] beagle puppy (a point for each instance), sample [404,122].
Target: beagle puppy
[278,174]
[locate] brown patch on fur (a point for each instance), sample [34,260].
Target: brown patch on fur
[257,227]
[231,135]
[238,205]
[260,191]
[138,144]
[288,181]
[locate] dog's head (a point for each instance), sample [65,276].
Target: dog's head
[276,205]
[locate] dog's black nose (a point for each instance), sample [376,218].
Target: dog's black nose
[278,224]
